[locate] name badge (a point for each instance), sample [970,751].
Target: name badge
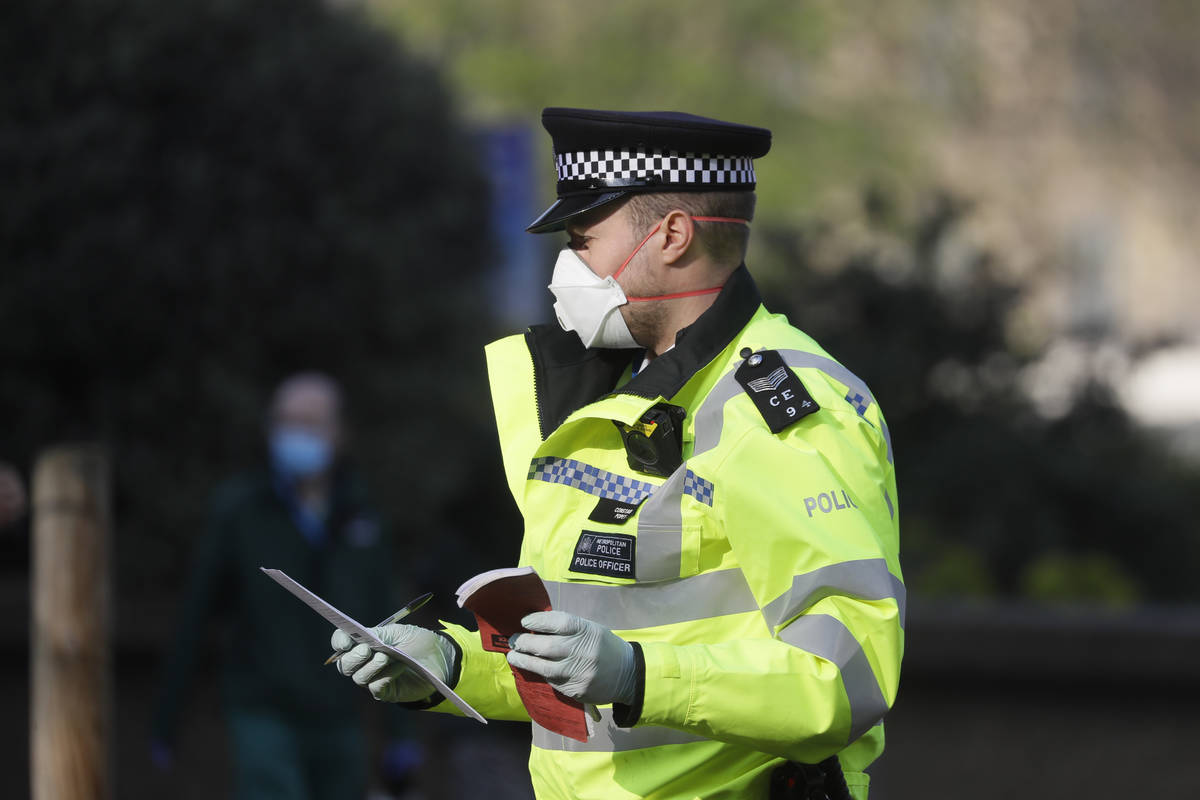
[616,512]
[609,554]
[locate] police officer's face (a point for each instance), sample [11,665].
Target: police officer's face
[603,239]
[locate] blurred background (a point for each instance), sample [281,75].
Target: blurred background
[987,210]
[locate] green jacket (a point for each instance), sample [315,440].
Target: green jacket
[760,580]
[274,663]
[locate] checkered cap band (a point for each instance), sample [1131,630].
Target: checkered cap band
[622,167]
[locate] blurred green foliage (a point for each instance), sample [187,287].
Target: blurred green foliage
[950,570]
[1075,120]
[1092,578]
[749,61]
[202,196]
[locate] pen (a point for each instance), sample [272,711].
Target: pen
[399,615]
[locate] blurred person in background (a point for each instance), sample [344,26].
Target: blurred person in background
[295,732]
[707,494]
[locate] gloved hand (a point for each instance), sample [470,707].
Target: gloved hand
[580,658]
[390,680]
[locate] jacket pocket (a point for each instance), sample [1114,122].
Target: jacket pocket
[667,552]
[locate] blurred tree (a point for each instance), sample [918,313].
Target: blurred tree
[993,496]
[1090,577]
[753,61]
[1075,121]
[202,196]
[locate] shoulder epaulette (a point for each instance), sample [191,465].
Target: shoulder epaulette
[776,390]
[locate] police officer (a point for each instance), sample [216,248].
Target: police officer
[708,496]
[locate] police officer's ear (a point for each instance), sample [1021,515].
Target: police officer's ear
[679,233]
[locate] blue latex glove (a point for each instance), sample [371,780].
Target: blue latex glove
[387,679]
[580,658]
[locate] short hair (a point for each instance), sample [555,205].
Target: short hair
[311,379]
[724,242]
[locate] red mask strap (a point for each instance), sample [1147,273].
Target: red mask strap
[625,263]
[745,222]
[694,293]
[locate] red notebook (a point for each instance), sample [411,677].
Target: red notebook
[500,599]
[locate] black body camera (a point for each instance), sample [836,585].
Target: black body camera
[654,444]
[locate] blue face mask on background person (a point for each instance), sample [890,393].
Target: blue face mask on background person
[298,453]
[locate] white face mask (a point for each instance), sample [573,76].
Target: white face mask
[588,304]
[591,305]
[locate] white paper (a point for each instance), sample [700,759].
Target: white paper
[362,635]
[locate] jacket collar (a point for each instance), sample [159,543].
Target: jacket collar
[701,342]
[568,376]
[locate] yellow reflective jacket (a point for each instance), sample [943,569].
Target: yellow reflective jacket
[760,580]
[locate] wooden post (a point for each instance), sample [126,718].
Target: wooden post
[70,713]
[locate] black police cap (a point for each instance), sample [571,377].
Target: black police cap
[602,156]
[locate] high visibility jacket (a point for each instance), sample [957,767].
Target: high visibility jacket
[760,579]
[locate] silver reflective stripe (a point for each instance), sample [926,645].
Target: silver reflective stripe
[891,509]
[826,637]
[798,359]
[608,738]
[865,579]
[711,416]
[660,531]
[631,606]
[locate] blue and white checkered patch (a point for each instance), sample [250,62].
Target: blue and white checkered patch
[595,481]
[698,488]
[860,403]
[587,478]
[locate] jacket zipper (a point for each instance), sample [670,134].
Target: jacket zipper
[537,406]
